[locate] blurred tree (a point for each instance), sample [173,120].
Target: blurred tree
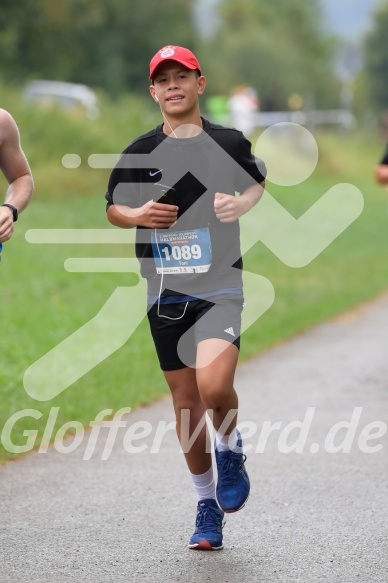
[278,47]
[376,60]
[105,43]
[278,44]
[146,28]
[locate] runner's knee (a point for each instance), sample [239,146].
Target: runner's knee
[214,394]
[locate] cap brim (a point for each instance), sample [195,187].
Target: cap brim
[185,64]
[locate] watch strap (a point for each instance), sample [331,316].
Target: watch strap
[13,209]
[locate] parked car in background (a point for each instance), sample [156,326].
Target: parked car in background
[70,96]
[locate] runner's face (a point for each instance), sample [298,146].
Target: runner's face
[177,88]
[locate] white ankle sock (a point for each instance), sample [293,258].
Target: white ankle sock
[204,484]
[227,442]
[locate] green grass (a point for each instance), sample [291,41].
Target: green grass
[42,304]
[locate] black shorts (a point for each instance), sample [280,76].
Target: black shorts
[176,340]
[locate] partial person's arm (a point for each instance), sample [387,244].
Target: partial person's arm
[381,174]
[16,170]
[381,171]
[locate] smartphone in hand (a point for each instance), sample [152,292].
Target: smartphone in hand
[167,194]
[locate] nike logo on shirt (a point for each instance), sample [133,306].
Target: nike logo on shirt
[154,173]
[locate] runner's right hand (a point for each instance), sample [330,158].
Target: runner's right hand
[156,215]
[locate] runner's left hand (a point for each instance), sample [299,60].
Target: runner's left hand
[229,208]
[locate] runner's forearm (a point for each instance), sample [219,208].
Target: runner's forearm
[252,195]
[152,215]
[20,191]
[121,216]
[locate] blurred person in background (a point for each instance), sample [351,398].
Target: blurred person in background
[381,172]
[243,105]
[16,170]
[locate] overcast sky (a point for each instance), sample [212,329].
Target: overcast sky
[347,18]
[350,18]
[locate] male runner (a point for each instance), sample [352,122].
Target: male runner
[188,245]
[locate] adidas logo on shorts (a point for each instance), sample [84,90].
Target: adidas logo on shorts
[230,331]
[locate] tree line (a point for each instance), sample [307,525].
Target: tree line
[279,47]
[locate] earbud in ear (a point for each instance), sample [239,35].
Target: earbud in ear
[156,99]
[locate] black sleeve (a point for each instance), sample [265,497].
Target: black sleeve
[126,183]
[385,159]
[123,184]
[254,166]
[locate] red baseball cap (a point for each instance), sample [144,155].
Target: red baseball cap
[173,53]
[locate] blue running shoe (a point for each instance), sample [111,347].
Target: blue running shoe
[208,527]
[233,482]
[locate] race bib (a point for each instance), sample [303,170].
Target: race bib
[182,251]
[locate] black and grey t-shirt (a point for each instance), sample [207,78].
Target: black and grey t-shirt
[198,255]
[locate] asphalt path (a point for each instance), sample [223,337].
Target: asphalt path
[314,515]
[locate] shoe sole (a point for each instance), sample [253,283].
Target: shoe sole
[204,545]
[233,510]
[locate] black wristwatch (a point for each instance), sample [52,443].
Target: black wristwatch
[13,209]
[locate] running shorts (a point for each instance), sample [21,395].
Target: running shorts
[179,327]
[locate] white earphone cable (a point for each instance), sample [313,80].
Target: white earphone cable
[165,117]
[161,285]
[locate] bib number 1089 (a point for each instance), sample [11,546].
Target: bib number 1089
[185,252]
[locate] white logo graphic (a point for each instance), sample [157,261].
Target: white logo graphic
[155,173]
[167,52]
[295,241]
[230,331]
